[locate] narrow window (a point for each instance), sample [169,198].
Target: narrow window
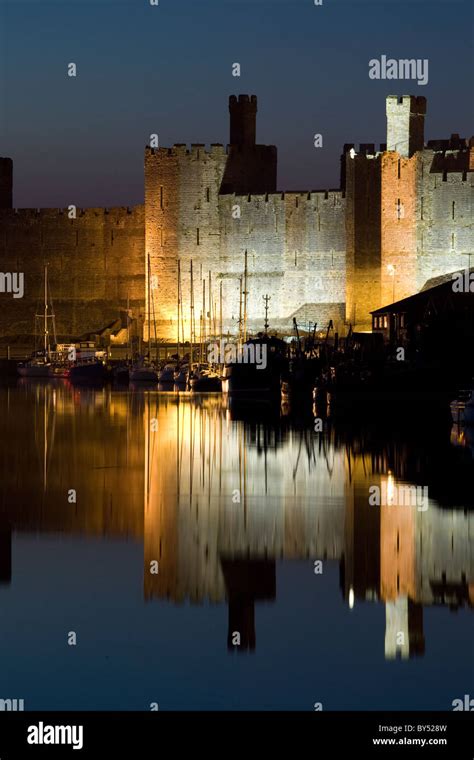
[197,236]
[453,241]
[208,195]
[161,197]
[421,207]
[399,166]
[452,209]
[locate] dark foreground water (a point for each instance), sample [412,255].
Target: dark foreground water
[203,557]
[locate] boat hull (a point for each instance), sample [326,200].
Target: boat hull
[143,375]
[87,372]
[34,371]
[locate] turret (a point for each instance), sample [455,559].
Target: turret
[405,124]
[243,119]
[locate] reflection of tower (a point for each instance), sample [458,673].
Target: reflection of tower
[247,581]
[361,567]
[403,628]
[398,586]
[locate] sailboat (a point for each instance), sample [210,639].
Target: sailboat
[40,363]
[144,370]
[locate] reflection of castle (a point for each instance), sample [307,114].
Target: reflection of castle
[293,506]
[217,503]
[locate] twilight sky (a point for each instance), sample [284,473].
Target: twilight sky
[168,69]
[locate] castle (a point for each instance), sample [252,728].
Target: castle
[402,215]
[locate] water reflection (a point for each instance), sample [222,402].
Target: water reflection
[219,496]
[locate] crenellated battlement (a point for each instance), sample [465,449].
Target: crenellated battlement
[322,196]
[195,150]
[412,103]
[368,150]
[233,99]
[109,214]
[295,239]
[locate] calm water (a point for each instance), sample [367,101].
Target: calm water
[235,507]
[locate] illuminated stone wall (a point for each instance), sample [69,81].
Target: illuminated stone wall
[95,262]
[363,234]
[403,216]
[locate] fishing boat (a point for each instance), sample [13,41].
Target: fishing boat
[204,379]
[88,370]
[248,376]
[35,367]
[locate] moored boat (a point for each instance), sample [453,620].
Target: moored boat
[462,409]
[145,373]
[36,367]
[89,370]
[259,369]
[205,380]
[167,373]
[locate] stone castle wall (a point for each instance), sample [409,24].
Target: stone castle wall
[295,245]
[363,234]
[94,263]
[403,216]
[445,213]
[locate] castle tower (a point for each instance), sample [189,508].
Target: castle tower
[250,168]
[6,183]
[243,119]
[405,124]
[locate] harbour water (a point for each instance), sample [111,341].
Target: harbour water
[211,557]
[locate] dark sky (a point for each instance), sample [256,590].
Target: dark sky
[168,69]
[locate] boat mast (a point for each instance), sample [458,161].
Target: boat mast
[203,320]
[240,311]
[154,328]
[192,319]
[179,304]
[149,320]
[245,293]
[46,336]
[220,310]
[128,324]
[210,305]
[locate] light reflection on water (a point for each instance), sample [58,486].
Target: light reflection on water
[231,505]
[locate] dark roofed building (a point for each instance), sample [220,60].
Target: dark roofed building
[437,320]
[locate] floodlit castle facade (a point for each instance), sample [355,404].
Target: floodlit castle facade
[402,215]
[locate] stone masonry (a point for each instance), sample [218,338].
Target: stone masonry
[403,214]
